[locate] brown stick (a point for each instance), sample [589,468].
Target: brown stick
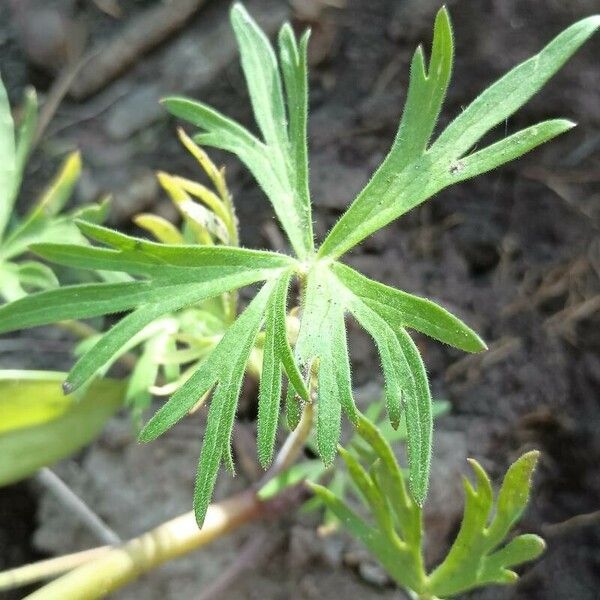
[138,37]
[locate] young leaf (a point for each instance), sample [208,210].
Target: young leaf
[164,231]
[395,535]
[474,560]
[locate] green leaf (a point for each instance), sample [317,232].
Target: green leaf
[474,559]
[348,518]
[426,92]
[322,347]
[27,130]
[225,134]
[401,184]
[391,480]
[370,492]
[394,556]
[513,496]
[293,60]
[280,163]
[277,354]
[110,343]
[400,309]
[508,149]
[509,93]
[376,308]
[262,78]
[224,369]
[388,188]
[8,167]
[192,256]
[39,425]
[87,301]
[310,470]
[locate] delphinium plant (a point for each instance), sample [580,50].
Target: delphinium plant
[170,277]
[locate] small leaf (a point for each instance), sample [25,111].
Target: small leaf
[350,520]
[164,231]
[59,191]
[215,175]
[308,469]
[474,559]
[513,496]
[206,224]
[208,197]
[519,550]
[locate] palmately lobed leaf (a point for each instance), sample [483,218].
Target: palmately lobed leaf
[393,528]
[151,280]
[476,557]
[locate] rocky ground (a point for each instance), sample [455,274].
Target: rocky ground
[516,253]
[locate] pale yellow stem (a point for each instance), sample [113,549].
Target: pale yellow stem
[45,569]
[174,538]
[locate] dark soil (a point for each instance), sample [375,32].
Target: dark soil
[516,252]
